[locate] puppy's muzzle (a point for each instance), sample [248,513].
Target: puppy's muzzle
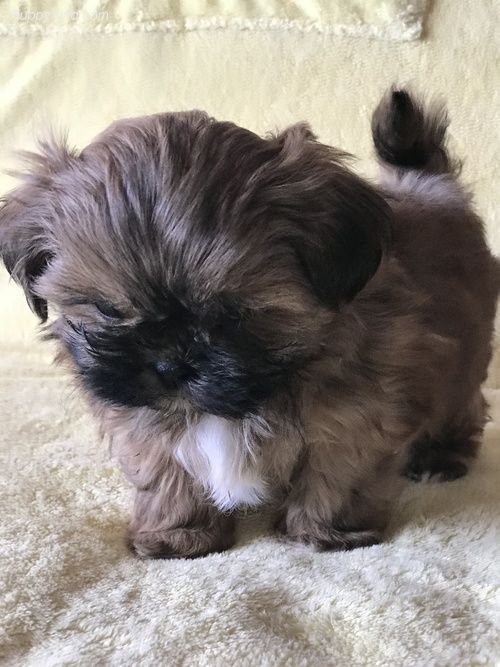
[173,373]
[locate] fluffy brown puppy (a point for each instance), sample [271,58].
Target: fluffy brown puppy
[254,323]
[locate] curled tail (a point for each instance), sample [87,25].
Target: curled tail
[410,135]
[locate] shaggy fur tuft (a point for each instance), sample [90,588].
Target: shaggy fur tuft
[409,135]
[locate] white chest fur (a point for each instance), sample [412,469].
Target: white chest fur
[224,462]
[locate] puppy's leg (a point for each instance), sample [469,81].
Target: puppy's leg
[172,519]
[447,456]
[337,502]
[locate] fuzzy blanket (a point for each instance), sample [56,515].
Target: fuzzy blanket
[399,20]
[71,594]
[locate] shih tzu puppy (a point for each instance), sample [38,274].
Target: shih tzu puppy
[253,323]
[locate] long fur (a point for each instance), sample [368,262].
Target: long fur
[252,322]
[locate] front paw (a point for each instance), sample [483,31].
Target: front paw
[191,542]
[324,537]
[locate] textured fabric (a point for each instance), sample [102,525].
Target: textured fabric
[387,19]
[71,594]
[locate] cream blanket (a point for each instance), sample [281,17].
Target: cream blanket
[399,20]
[70,593]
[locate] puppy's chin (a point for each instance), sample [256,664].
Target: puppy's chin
[228,399]
[225,399]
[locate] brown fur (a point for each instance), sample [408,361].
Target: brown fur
[349,327]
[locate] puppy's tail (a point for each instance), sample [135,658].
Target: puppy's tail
[410,135]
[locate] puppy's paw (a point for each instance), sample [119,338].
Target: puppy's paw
[328,538]
[441,470]
[433,460]
[346,540]
[179,542]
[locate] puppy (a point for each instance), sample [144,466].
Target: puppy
[253,323]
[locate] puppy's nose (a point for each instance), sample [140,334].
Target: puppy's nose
[173,373]
[165,367]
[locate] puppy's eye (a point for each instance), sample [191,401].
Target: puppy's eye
[108,310]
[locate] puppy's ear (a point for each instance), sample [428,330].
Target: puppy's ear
[26,216]
[341,225]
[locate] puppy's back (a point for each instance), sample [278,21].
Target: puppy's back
[437,236]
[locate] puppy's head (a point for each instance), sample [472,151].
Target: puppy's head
[188,259]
